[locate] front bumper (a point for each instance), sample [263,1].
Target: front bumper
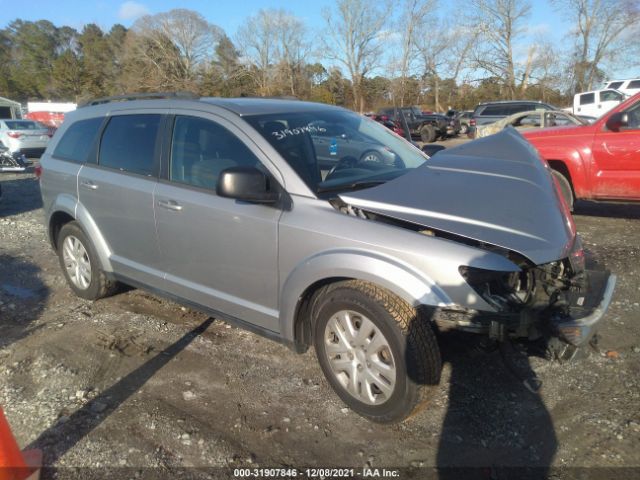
[578,328]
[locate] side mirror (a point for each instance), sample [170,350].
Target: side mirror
[618,120]
[247,184]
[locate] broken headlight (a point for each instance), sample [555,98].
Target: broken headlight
[505,291]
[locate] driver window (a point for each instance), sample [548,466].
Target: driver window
[634,116]
[201,149]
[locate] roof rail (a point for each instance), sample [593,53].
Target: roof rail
[140,96]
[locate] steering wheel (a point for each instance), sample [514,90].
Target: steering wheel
[366,162]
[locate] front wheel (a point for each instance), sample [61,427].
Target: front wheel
[379,355]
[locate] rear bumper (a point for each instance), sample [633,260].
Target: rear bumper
[578,330]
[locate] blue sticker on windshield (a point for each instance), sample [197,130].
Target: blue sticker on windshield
[333,147]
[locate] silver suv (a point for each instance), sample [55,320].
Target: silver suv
[312,225]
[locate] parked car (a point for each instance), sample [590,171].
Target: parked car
[528,120]
[599,161]
[209,202]
[464,118]
[490,112]
[597,102]
[24,136]
[427,127]
[628,87]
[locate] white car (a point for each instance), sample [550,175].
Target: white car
[628,87]
[24,136]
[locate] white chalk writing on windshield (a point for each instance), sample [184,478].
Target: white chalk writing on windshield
[290,132]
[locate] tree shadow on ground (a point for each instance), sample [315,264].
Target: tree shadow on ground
[62,437]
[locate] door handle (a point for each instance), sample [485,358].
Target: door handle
[89,185]
[170,205]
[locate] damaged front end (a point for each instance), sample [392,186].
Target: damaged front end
[557,299]
[496,195]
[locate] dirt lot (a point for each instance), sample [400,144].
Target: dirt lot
[137,387]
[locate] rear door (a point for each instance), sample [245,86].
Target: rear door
[616,157]
[118,194]
[217,252]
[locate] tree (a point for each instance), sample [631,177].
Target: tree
[176,46]
[599,30]
[499,24]
[355,39]
[412,22]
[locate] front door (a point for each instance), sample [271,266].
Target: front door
[616,157]
[217,252]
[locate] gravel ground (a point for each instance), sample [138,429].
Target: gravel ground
[134,386]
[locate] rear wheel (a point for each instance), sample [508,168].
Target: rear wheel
[464,128]
[80,264]
[428,134]
[375,350]
[565,188]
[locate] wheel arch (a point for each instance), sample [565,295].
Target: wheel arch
[306,283]
[67,210]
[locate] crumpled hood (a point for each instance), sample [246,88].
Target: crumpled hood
[495,190]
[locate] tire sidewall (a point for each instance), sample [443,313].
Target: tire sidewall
[404,396]
[73,229]
[427,134]
[565,188]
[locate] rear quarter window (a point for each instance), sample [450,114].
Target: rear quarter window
[633,84]
[77,142]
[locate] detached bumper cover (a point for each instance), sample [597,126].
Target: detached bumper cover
[578,329]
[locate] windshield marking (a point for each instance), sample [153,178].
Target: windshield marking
[290,132]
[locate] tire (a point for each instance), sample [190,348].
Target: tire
[80,264]
[565,188]
[428,134]
[386,385]
[464,128]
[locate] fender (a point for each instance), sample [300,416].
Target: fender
[390,273]
[68,204]
[577,162]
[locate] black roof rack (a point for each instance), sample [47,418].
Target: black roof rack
[140,96]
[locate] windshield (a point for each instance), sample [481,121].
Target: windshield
[334,150]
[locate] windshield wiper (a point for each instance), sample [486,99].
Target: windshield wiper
[351,186]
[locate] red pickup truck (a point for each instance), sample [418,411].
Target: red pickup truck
[599,161]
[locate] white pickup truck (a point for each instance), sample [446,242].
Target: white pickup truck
[597,102]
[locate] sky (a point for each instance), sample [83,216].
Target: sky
[229,14]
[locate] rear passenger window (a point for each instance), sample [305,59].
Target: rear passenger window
[128,143]
[77,142]
[615,85]
[587,98]
[201,149]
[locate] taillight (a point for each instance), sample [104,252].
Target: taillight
[38,171]
[14,134]
[472,122]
